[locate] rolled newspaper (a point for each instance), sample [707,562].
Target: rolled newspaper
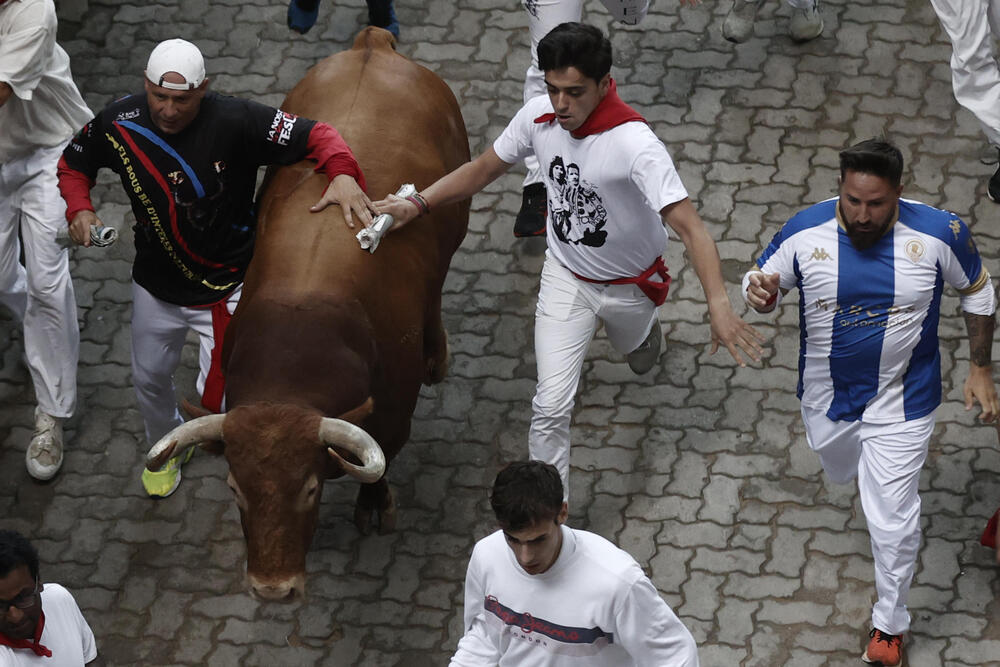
[369,237]
[100,236]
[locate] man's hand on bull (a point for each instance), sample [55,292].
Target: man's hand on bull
[79,228]
[344,190]
[401,210]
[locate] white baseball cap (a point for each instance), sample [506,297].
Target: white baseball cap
[180,56]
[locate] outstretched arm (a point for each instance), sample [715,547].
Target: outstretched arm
[460,184]
[347,184]
[979,385]
[727,327]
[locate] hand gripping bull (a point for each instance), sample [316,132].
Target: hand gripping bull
[327,335]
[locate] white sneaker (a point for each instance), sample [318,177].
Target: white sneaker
[806,24]
[738,26]
[45,452]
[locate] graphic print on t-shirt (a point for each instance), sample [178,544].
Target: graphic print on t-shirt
[578,214]
[201,209]
[562,639]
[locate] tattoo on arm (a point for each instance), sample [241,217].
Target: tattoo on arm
[980,328]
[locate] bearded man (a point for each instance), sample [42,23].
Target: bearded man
[870,268]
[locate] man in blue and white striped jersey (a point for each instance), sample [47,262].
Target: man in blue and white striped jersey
[870,268]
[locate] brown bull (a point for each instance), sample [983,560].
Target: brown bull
[325,329]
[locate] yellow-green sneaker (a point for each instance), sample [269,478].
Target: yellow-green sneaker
[165,481]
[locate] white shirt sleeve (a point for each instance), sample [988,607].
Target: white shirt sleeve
[514,143]
[26,49]
[476,648]
[650,631]
[962,268]
[88,643]
[654,174]
[780,259]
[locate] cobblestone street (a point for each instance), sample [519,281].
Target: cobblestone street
[699,469]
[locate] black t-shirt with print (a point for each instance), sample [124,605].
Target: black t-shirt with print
[191,192]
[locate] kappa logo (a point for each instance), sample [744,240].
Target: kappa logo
[281,127]
[955,226]
[820,254]
[914,249]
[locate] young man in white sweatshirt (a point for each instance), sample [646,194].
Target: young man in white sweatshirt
[541,594]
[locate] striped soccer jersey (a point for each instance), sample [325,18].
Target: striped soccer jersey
[869,318]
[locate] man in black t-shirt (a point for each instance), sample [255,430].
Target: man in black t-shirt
[188,160]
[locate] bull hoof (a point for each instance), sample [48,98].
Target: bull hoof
[436,366]
[387,520]
[363,520]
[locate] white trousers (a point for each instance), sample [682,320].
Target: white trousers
[566,318]
[543,16]
[972,25]
[41,296]
[886,459]
[159,330]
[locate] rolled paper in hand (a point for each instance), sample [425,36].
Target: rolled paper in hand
[100,236]
[369,237]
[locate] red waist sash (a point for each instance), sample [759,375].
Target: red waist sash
[656,290]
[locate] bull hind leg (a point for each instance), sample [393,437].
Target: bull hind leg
[436,351]
[375,504]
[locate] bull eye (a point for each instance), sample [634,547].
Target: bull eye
[308,497]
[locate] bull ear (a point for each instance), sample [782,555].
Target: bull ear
[354,439]
[185,436]
[194,411]
[360,413]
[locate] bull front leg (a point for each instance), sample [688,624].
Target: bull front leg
[375,502]
[436,351]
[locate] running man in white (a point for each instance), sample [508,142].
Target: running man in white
[870,268]
[540,594]
[543,16]
[621,189]
[40,109]
[973,26]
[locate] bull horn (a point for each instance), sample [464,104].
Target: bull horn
[357,441]
[188,434]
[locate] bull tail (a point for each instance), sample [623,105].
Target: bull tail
[374,38]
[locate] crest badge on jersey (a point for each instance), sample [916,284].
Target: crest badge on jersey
[914,249]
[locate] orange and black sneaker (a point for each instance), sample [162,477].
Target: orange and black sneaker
[883,649]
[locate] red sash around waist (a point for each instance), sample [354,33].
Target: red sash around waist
[655,290]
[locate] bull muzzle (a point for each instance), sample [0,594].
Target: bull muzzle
[285,590]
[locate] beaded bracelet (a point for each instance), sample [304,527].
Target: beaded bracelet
[418,200]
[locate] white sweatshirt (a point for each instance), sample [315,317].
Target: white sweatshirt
[593,607]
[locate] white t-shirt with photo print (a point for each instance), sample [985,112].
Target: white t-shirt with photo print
[605,191]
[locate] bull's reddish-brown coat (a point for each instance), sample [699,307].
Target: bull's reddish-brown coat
[322,325]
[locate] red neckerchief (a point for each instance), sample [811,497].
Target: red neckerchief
[35,645]
[610,112]
[989,538]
